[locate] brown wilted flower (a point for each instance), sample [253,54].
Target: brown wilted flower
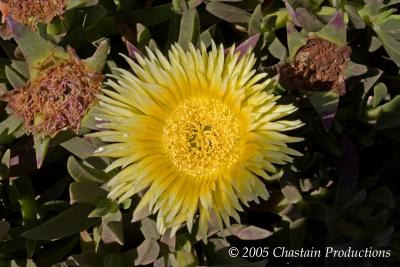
[317,66]
[57,99]
[32,12]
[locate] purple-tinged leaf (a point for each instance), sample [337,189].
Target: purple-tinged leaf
[132,50]
[147,252]
[168,240]
[292,14]
[250,232]
[149,229]
[112,232]
[326,104]
[335,30]
[291,193]
[308,20]
[248,44]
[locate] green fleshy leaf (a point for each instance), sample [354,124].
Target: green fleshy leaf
[389,121]
[67,223]
[295,40]
[186,255]
[354,69]
[382,195]
[335,30]
[374,45]
[189,28]
[22,67]
[149,229]
[326,104]
[207,36]
[41,146]
[81,3]
[277,49]
[86,192]
[5,165]
[179,6]
[150,16]
[10,129]
[14,79]
[27,202]
[388,32]
[4,227]
[34,48]
[380,93]
[84,148]
[297,233]
[373,75]
[58,251]
[98,60]
[312,4]
[255,21]
[143,35]
[308,20]
[355,18]
[81,172]
[103,208]
[227,12]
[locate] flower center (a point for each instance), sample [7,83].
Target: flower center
[201,137]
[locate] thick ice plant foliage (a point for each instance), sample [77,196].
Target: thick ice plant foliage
[197,130]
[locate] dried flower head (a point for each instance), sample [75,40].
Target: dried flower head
[57,99]
[33,11]
[317,66]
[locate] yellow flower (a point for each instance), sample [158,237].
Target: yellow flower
[196,130]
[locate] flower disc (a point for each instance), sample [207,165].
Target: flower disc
[196,129]
[201,137]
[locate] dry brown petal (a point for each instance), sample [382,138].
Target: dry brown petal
[60,97]
[33,11]
[317,66]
